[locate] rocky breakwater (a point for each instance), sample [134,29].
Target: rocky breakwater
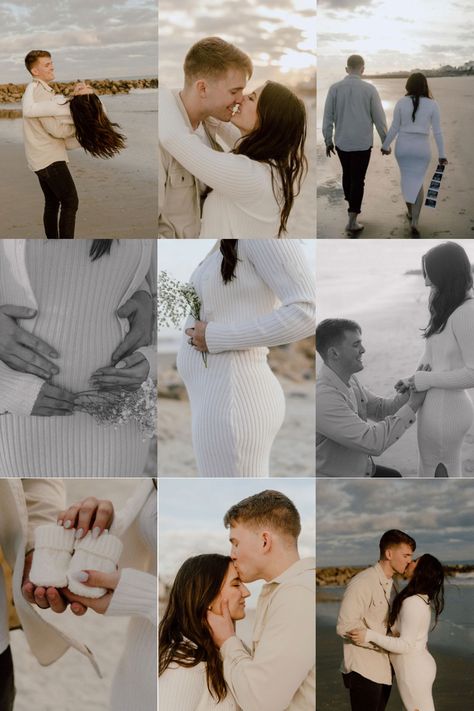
[12,93]
[340,576]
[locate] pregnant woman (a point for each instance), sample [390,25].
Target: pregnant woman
[410,618]
[413,118]
[76,289]
[447,412]
[254,294]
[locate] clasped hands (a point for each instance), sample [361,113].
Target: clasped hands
[405,385]
[93,515]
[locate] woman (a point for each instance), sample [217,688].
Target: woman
[76,289]
[190,667]
[410,618]
[447,412]
[237,403]
[414,115]
[254,186]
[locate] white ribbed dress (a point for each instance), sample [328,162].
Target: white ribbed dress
[77,301]
[134,686]
[237,403]
[447,412]
[242,203]
[415,668]
[412,150]
[185,689]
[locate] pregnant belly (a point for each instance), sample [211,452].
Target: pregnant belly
[446,409]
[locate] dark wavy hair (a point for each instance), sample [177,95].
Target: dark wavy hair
[229,250]
[428,579]
[449,270]
[278,139]
[184,635]
[416,87]
[96,134]
[100,247]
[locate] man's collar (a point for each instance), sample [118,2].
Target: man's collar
[300,566]
[326,373]
[383,578]
[44,84]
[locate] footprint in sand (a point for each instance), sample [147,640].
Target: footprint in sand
[462,212]
[331,189]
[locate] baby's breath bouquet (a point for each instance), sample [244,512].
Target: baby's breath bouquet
[118,407]
[176,300]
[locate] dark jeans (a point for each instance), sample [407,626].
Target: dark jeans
[7,684]
[366,695]
[385,472]
[354,167]
[59,193]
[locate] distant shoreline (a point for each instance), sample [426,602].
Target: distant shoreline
[12,93]
[430,73]
[340,575]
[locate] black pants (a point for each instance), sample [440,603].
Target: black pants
[59,194]
[366,695]
[7,684]
[354,167]
[386,472]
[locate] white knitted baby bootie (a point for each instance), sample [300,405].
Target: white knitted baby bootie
[90,553]
[51,557]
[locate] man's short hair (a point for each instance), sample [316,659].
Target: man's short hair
[355,61]
[394,537]
[213,57]
[33,56]
[268,508]
[330,332]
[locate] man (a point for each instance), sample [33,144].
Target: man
[366,668]
[352,107]
[215,74]
[278,673]
[46,143]
[345,441]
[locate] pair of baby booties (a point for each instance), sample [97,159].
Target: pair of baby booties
[58,555]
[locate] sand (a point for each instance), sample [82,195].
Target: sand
[383,209]
[302,220]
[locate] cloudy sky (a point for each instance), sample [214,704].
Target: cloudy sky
[191,513]
[279,35]
[394,35]
[88,39]
[352,515]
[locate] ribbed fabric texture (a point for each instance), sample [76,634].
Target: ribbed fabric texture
[77,303]
[447,412]
[90,553]
[242,203]
[52,555]
[185,689]
[237,403]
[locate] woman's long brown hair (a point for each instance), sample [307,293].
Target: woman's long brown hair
[228,249]
[96,134]
[184,635]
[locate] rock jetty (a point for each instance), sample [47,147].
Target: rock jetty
[340,576]
[12,93]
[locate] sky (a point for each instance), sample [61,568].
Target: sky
[88,39]
[353,514]
[279,35]
[191,513]
[392,35]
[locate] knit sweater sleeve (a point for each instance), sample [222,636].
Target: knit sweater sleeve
[394,128]
[409,623]
[463,330]
[437,132]
[282,265]
[237,176]
[39,109]
[135,595]
[18,391]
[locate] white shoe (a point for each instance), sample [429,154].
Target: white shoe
[52,555]
[100,553]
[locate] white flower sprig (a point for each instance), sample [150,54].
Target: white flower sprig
[175,301]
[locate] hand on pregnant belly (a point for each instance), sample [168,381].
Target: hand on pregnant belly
[197,336]
[53,401]
[128,374]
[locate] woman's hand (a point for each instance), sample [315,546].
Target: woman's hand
[139,312]
[94,579]
[197,336]
[408,384]
[90,514]
[127,374]
[357,636]
[53,401]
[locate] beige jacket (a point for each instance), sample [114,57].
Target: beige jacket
[366,605]
[279,674]
[179,196]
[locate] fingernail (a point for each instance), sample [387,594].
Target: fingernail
[67,524]
[79,533]
[80,575]
[96,532]
[121,364]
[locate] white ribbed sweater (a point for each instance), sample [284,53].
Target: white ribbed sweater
[185,689]
[242,203]
[76,300]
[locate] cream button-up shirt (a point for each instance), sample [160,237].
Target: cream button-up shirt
[279,673]
[366,604]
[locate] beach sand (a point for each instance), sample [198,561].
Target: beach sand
[302,220]
[453,689]
[383,209]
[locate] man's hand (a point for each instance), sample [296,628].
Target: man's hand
[330,149]
[82,88]
[222,626]
[385,151]
[404,385]
[94,578]
[21,350]
[139,312]
[198,336]
[128,374]
[45,597]
[90,514]
[53,401]
[357,636]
